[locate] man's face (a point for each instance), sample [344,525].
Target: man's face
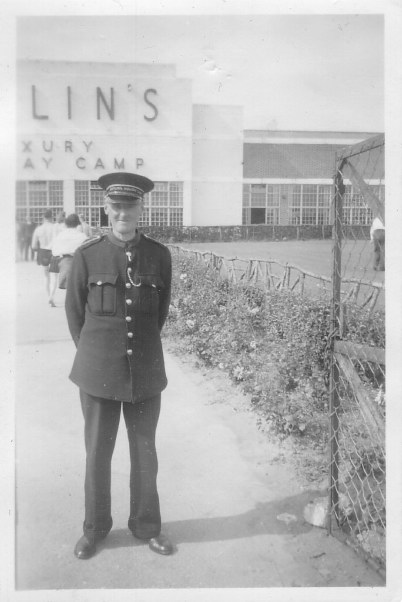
[124,217]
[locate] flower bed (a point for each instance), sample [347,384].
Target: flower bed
[274,344]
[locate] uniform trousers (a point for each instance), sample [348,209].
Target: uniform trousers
[102,418]
[379,249]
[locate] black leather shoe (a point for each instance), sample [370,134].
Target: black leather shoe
[84,548]
[161,545]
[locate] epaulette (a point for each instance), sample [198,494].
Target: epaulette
[91,241]
[155,241]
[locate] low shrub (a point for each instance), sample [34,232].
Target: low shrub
[274,344]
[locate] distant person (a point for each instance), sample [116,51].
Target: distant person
[84,226]
[19,238]
[28,253]
[377,237]
[63,248]
[42,240]
[60,221]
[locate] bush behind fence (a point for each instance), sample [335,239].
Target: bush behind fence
[258,232]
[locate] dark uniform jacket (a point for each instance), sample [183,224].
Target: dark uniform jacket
[117,300]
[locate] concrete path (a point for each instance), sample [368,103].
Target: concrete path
[220,482]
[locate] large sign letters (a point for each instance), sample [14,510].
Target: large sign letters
[104,104]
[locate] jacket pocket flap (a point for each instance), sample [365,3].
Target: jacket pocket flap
[100,279]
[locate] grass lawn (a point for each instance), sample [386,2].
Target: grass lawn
[311,255]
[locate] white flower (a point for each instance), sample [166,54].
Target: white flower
[183,276]
[380,397]
[173,311]
[238,373]
[190,324]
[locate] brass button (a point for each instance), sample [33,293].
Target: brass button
[129,352]
[128,285]
[99,282]
[128,318]
[128,301]
[130,335]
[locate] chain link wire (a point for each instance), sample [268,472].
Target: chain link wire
[357,386]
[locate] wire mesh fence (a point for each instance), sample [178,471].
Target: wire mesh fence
[357,384]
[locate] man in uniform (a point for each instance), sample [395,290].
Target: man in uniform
[117,301]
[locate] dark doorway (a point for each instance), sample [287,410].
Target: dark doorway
[257,216]
[104,220]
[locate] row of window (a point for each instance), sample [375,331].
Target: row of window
[295,204]
[303,204]
[163,206]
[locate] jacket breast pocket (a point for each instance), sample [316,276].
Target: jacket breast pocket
[102,294]
[146,293]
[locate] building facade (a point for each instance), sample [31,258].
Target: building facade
[77,121]
[288,178]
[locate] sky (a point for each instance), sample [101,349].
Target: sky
[289,72]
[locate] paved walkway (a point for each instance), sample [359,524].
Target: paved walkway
[220,485]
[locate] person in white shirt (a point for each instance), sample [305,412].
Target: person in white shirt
[60,222]
[63,248]
[377,237]
[42,240]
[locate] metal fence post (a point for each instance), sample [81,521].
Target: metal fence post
[339,190]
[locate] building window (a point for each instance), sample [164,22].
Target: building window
[33,198]
[352,207]
[89,202]
[163,206]
[355,211]
[295,205]
[261,203]
[324,205]
[310,204]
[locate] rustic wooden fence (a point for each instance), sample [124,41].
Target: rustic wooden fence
[272,274]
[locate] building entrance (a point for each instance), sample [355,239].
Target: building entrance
[257,216]
[104,220]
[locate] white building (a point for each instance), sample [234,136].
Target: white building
[78,121]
